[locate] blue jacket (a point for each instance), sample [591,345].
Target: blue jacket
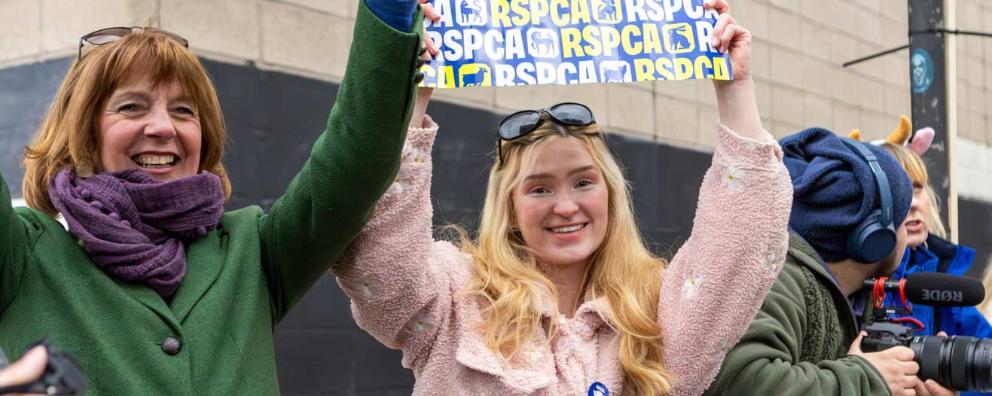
[938,255]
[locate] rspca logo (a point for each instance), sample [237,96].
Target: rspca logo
[472,13]
[614,71]
[543,43]
[607,11]
[475,75]
[679,38]
[943,295]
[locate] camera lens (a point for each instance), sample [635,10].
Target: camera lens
[957,362]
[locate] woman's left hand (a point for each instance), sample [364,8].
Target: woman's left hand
[430,51]
[430,14]
[730,37]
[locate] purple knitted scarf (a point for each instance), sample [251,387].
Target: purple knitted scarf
[135,227]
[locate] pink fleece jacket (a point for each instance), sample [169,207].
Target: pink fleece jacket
[407,290]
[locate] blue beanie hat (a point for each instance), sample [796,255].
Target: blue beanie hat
[835,189]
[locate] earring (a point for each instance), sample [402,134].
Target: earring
[84,169]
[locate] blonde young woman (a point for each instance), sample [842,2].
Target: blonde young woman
[927,250]
[558,295]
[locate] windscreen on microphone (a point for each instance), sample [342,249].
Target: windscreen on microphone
[933,288]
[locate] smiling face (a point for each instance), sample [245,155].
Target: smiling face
[152,127]
[919,211]
[561,204]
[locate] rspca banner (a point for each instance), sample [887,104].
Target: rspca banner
[528,42]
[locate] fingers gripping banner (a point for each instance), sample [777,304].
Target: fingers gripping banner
[529,42]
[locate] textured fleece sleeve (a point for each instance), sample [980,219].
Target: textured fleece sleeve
[717,280]
[350,166]
[396,275]
[767,361]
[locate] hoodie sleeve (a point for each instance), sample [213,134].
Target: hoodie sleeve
[718,279]
[769,358]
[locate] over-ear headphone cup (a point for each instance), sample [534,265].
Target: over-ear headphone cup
[871,242]
[878,245]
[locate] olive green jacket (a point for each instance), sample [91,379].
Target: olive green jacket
[798,342]
[242,277]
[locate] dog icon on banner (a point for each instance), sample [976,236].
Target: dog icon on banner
[606,11]
[543,43]
[679,38]
[472,12]
[614,72]
[475,75]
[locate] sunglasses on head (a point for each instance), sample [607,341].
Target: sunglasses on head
[109,35]
[521,123]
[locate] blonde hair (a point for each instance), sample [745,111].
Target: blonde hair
[69,135]
[917,172]
[622,270]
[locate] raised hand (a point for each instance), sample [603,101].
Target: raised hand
[735,99]
[428,53]
[730,37]
[429,14]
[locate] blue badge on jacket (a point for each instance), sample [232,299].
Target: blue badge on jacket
[598,389]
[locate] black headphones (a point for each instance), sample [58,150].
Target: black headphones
[875,237]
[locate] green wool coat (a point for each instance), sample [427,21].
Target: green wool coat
[798,342]
[242,277]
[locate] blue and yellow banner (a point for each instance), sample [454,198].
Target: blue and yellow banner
[530,42]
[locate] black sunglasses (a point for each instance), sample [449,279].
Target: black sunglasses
[111,34]
[521,123]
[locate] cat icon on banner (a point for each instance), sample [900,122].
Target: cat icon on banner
[472,13]
[543,43]
[607,11]
[614,72]
[475,75]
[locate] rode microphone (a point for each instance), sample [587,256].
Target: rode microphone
[933,288]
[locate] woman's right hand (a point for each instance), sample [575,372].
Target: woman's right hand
[895,364]
[429,52]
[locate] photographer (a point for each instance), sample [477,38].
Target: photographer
[805,338]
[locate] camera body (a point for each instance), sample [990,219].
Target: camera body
[885,335]
[62,376]
[957,362]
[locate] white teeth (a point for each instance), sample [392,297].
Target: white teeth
[148,159]
[563,230]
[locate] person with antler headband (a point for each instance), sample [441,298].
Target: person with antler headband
[927,250]
[850,200]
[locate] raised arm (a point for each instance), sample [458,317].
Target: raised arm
[717,280]
[401,282]
[351,164]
